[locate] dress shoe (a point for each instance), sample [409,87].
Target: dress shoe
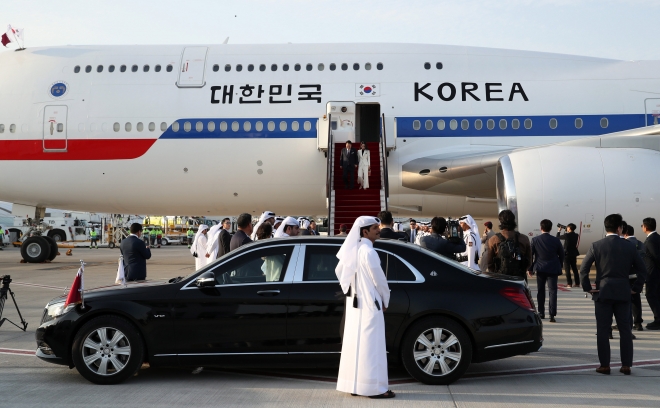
[625,370]
[603,370]
[552,319]
[653,326]
[638,327]
[541,315]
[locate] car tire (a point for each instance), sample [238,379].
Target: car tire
[53,248]
[432,362]
[35,250]
[120,359]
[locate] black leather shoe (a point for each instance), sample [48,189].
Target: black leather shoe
[615,327]
[541,315]
[552,319]
[638,327]
[653,326]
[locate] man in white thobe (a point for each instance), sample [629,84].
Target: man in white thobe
[288,228]
[363,364]
[470,257]
[198,247]
[266,216]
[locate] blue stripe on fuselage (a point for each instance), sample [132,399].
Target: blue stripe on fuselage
[241,132]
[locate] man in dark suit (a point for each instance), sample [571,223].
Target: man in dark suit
[225,237]
[636,299]
[436,242]
[312,228]
[386,231]
[652,261]
[348,162]
[547,258]
[411,233]
[135,254]
[615,260]
[570,239]
[242,236]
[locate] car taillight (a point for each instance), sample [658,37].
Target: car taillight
[518,296]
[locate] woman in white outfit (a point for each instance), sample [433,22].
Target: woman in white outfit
[364,167]
[199,247]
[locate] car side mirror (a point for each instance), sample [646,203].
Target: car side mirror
[205,280]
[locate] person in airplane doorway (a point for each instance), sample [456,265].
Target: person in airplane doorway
[570,239]
[242,236]
[363,362]
[652,261]
[135,254]
[93,238]
[547,259]
[348,162]
[198,249]
[470,257]
[364,166]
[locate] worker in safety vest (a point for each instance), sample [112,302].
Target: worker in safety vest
[159,236]
[190,233]
[2,237]
[93,237]
[152,237]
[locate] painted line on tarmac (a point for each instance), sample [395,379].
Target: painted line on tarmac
[37,285]
[18,352]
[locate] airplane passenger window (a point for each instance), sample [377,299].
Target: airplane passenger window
[367,66]
[187,126]
[307,126]
[553,123]
[152,126]
[157,68]
[227,68]
[428,125]
[427,65]
[234,126]
[199,126]
[139,127]
[223,126]
[88,69]
[250,67]
[604,123]
[76,69]
[453,124]
[259,126]
[490,124]
[111,68]
[134,68]
[99,68]
[285,67]
[296,67]
[502,124]
[379,66]
[283,126]
[60,128]
[116,126]
[333,66]
[2,128]
[478,124]
[145,68]
[128,126]
[169,68]
[321,67]
[295,126]
[247,126]
[465,125]
[216,67]
[344,66]
[273,67]
[578,123]
[441,124]
[528,123]
[271,126]
[416,125]
[262,67]
[438,65]
[515,123]
[210,126]
[308,67]
[356,67]
[122,68]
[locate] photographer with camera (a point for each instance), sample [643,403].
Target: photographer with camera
[570,239]
[449,246]
[509,252]
[470,257]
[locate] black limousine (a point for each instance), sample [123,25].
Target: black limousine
[278,303]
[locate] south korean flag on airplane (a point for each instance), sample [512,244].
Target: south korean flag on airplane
[367,89]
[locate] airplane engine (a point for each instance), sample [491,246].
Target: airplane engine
[580,185]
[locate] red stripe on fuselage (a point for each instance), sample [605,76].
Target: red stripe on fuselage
[77,149]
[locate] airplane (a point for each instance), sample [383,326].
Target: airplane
[226,129]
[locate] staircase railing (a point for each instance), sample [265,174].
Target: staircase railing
[384,177]
[328,182]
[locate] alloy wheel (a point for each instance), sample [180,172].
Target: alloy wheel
[106,351]
[437,352]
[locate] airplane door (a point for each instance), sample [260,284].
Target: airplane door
[55,139]
[652,111]
[193,67]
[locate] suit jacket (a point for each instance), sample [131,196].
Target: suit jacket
[616,258]
[304,232]
[239,239]
[348,158]
[652,255]
[135,254]
[439,244]
[407,233]
[388,233]
[570,243]
[547,255]
[225,240]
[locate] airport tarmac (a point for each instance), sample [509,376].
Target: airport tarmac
[562,373]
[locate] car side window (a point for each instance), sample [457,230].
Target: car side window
[260,266]
[320,263]
[398,271]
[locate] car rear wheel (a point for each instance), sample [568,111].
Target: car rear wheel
[436,350]
[107,350]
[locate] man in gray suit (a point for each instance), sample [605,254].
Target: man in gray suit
[615,259]
[547,259]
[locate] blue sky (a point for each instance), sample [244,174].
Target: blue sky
[611,29]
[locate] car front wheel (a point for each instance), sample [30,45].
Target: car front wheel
[107,350]
[436,350]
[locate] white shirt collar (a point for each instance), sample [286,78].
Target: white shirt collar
[631,236]
[133,235]
[612,233]
[650,233]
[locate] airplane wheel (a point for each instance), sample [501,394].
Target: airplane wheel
[53,248]
[35,250]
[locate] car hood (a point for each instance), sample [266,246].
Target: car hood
[111,289]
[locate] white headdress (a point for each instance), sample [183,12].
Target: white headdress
[348,253]
[201,230]
[264,216]
[287,221]
[467,219]
[304,223]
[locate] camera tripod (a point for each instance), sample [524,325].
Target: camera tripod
[4,289]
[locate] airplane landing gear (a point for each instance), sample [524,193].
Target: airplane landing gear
[36,249]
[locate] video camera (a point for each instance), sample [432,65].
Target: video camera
[5,280]
[454,229]
[560,226]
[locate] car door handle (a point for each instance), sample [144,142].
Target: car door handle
[268,292]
